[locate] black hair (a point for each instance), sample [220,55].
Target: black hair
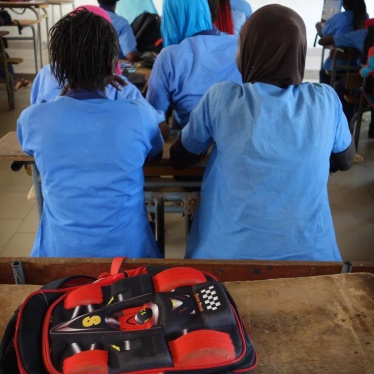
[358,7]
[213,7]
[83,50]
[108,2]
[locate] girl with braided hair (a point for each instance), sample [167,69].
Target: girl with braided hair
[90,150]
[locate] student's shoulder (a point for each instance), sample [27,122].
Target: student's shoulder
[318,91]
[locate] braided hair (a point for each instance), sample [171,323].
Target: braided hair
[83,50]
[358,7]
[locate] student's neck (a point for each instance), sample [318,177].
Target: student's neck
[110,7]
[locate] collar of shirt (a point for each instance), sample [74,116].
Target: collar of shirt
[86,94]
[213,31]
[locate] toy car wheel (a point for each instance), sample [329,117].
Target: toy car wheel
[207,346]
[87,362]
[173,278]
[87,295]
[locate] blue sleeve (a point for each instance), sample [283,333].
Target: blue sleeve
[197,135]
[330,27]
[22,132]
[158,88]
[343,137]
[354,39]
[126,37]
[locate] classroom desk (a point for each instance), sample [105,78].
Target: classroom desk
[59,4]
[40,10]
[320,324]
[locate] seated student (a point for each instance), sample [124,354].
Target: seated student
[351,19]
[90,150]
[127,41]
[45,86]
[241,10]
[367,72]
[194,57]
[355,39]
[264,191]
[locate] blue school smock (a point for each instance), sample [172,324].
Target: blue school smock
[264,191]
[126,37]
[241,10]
[353,39]
[182,73]
[45,88]
[90,154]
[339,23]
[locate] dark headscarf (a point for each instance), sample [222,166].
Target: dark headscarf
[272,47]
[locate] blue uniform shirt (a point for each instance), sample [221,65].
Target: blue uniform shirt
[90,153]
[241,10]
[182,73]
[264,192]
[126,38]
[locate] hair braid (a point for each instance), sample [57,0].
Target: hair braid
[83,50]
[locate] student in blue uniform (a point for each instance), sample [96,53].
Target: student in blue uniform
[241,10]
[127,42]
[194,57]
[264,191]
[354,39]
[341,23]
[45,86]
[90,150]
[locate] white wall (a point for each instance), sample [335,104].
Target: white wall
[309,10]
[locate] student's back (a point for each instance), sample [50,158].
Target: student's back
[264,191]
[90,151]
[193,59]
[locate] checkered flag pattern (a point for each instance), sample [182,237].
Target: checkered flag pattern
[210,298]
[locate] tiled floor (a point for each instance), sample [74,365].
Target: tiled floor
[351,193]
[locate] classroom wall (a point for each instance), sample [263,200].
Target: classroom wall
[309,10]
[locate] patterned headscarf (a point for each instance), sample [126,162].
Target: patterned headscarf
[272,47]
[184,18]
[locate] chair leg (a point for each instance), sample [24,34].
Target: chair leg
[356,122]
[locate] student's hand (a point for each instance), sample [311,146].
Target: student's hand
[116,81]
[326,40]
[165,129]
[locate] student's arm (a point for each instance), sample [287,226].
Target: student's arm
[180,158]
[195,138]
[133,56]
[319,26]
[158,94]
[343,160]
[326,40]
[343,150]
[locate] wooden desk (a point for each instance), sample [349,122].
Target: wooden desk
[321,324]
[40,10]
[60,4]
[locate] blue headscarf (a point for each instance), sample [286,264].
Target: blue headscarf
[184,18]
